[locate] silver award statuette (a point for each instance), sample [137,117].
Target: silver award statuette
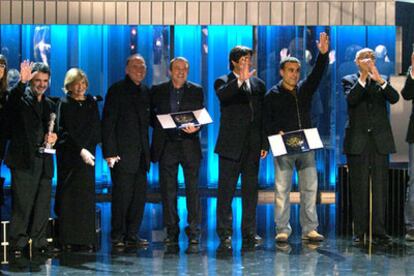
[48,148]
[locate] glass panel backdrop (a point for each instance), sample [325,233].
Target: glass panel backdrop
[101,51]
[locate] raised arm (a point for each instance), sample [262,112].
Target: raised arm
[312,81]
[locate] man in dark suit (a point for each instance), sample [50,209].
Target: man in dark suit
[367,143]
[408,94]
[288,108]
[125,123]
[174,147]
[29,111]
[240,143]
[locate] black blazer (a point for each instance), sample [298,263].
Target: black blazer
[20,127]
[408,94]
[359,124]
[125,122]
[192,99]
[235,119]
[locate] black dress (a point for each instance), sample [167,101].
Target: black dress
[79,127]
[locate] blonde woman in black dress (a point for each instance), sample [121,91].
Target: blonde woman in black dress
[79,133]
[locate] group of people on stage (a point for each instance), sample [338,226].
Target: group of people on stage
[32,123]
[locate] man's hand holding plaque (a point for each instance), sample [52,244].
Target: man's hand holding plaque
[190,128]
[188,121]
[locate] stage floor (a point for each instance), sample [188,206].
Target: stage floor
[335,256]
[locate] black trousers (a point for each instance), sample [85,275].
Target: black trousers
[128,202]
[31,192]
[229,171]
[361,167]
[187,154]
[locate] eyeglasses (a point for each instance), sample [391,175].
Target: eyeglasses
[2,66]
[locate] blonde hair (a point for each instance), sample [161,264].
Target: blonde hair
[72,76]
[367,51]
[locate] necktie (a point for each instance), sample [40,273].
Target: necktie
[246,89]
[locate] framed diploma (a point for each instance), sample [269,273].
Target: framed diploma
[297,141]
[185,118]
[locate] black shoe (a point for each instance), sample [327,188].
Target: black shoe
[253,238]
[44,250]
[136,241]
[67,248]
[382,238]
[171,240]
[226,240]
[193,240]
[56,249]
[118,243]
[142,242]
[91,248]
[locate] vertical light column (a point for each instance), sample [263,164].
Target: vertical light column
[187,43]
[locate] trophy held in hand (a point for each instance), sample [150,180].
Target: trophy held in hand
[47,147]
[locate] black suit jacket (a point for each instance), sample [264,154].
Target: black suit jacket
[192,99]
[125,123]
[408,94]
[359,122]
[21,123]
[235,119]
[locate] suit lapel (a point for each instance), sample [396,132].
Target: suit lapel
[30,100]
[231,77]
[167,95]
[252,86]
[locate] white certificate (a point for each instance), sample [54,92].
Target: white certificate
[295,142]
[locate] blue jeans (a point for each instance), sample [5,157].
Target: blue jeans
[409,203]
[308,185]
